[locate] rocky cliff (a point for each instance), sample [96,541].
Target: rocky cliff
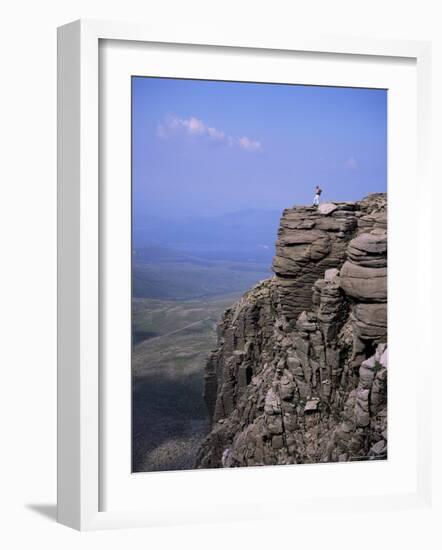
[299,374]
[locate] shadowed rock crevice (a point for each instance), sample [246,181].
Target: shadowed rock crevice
[299,374]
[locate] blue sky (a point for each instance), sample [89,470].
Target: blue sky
[207,147]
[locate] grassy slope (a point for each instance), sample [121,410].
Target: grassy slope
[169,414]
[187,281]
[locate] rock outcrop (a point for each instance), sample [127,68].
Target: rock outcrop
[300,371]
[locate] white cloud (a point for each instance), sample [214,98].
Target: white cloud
[193,126]
[215,134]
[248,144]
[351,162]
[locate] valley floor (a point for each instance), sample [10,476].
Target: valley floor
[171,343]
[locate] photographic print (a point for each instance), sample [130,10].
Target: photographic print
[259,274]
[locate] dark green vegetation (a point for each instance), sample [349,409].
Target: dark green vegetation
[169,414]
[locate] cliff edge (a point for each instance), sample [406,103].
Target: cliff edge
[299,374]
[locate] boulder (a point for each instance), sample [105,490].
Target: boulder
[327,208]
[331,274]
[370,321]
[364,283]
[369,243]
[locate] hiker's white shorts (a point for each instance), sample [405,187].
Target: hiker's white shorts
[316,200]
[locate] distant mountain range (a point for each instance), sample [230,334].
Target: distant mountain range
[248,235]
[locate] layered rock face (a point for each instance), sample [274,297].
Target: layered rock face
[300,371]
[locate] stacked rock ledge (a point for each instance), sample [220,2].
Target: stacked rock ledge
[299,374]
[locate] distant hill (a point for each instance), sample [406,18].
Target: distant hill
[166,254]
[248,235]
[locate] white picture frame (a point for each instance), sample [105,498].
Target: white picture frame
[80,437]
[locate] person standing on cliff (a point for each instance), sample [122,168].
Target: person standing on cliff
[318,192]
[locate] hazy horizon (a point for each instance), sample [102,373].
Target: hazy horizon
[209,148]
